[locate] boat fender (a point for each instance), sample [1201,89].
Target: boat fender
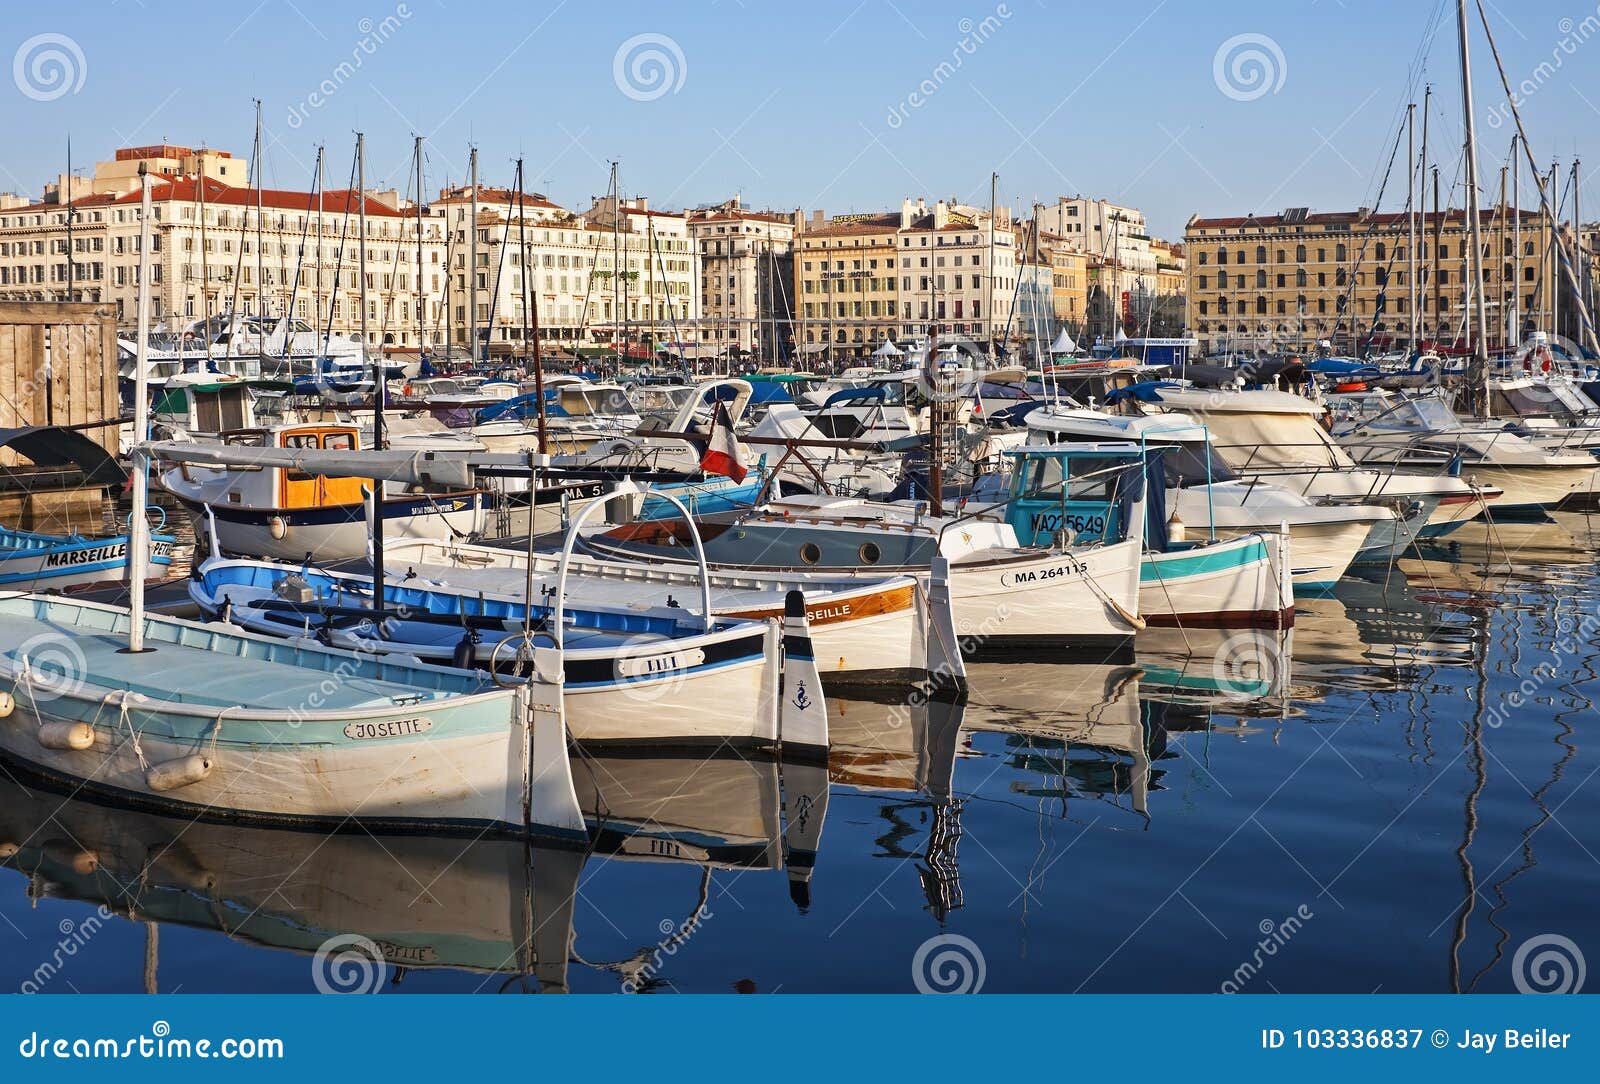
[8,705]
[465,655]
[277,527]
[8,851]
[69,736]
[1175,529]
[78,859]
[182,772]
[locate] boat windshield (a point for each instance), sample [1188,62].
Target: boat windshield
[1195,464]
[1529,401]
[1430,414]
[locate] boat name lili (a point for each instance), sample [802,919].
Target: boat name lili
[388,728]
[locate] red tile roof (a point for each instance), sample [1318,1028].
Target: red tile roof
[1343,218]
[187,190]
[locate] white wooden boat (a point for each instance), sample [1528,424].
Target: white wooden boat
[211,721]
[42,562]
[1006,597]
[288,514]
[864,628]
[646,675]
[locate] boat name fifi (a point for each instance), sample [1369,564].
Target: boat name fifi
[388,728]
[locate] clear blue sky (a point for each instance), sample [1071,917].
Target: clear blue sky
[802,104]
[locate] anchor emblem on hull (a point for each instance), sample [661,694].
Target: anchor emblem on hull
[801,700]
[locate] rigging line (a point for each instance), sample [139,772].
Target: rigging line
[499,270]
[1366,240]
[300,259]
[338,266]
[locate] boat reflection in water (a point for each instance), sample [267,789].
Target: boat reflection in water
[497,908]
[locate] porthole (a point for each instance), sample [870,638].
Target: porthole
[810,553]
[869,553]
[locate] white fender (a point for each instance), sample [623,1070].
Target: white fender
[802,711]
[8,704]
[74,737]
[181,772]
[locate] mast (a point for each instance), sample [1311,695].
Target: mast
[530,309]
[138,525]
[422,299]
[616,267]
[1553,251]
[378,381]
[1479,374]
[1579,273]
[1438,235]
[1500,251]
[472,259]
[1516,242]
[261,282]
[988,304]
[1422,220]
[72,263]
[1411,217]
[205,268]
[316,273]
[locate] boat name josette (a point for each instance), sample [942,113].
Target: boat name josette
[388,728]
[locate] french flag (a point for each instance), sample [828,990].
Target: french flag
[722,450]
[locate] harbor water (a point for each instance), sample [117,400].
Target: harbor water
[1394,798]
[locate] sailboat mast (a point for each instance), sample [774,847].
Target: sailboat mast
[316,272]
[138,524]
[1479,375]
[1580,286]
[378,381]
[472,259]
[616,267]
[261,282]
[422,298]
[988,304]
[1411,217]
[530,312]
[205,269]
[1516,241]
[72,262]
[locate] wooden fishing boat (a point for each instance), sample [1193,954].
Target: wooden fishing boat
[864,628]
[1006,597]
[287,514]
[43,562]
[656,675]
[211,722]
